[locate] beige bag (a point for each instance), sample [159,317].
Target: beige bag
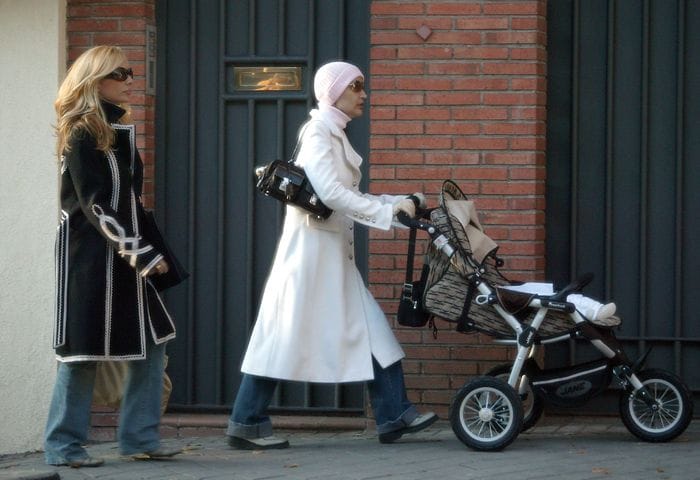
[109,384]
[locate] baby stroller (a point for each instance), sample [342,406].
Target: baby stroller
[461,283]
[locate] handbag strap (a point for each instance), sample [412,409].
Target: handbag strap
[293,158]
[408,283]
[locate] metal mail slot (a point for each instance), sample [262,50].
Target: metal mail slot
[267,78]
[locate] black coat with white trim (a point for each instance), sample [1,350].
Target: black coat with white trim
[105,304]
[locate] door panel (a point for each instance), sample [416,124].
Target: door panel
[622,167]
[213,129]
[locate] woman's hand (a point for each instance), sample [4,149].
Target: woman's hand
[160,268]
[407,206]
[419,200]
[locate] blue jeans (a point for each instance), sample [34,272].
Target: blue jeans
[387,393]
[139,418]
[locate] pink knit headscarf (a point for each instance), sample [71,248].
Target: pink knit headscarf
[332,79]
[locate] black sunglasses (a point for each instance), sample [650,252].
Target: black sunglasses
[120,74]
[357,86]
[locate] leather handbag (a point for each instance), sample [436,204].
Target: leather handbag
[287,182]
[411,312]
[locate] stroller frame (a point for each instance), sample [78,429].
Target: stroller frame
[488,413]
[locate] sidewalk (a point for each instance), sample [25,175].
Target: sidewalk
[575,448]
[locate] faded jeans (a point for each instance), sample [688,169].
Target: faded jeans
[139,418]
[387,393]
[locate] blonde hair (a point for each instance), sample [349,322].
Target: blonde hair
[78,104]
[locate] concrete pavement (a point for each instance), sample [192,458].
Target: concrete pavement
[574,448]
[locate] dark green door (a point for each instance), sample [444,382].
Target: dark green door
[234,84]
[623,183]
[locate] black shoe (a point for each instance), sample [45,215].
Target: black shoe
[419,423]
[158,454]
[262,443]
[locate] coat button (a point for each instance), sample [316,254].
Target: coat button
[349,257]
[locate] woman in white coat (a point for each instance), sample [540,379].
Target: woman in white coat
[317,321]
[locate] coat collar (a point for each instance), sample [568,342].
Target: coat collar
[327,119]
[112,112]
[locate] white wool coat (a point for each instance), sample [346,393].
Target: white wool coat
[317,321]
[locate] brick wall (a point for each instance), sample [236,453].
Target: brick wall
[458,91]
[122,23]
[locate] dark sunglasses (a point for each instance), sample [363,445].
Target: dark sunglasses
[357,86]
[120,74]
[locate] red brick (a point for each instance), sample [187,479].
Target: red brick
[480,113]
[482,53]
[455,38]
[525,143]
[454,98]
[481,83]
[482,23]
[383,23]
[397,128]
[382,53]
[121,39]
[397,157]
[383,113]
[424,142]
[424,52]
[91,25]
[384,98]
[422,113]
[528,113]
[452,158]
[513,129]
[528,53]
[453,68]
[434,23]
[421,83]
[511,158]
[481,143]
[452,128]
[524,7]
[474,173]
[421,173]
[396,8]
[379,143]
[403,68]
[394,38]
[454,8]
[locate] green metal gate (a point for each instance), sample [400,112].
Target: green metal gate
[623,180]
[234,84]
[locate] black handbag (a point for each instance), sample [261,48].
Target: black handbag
[176,273]
[411,313]
[287,182]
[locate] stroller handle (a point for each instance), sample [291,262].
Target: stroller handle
[405,219]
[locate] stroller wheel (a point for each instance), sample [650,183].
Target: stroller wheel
[486,414]
[533,406]
[670,414]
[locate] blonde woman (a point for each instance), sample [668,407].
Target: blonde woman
[106,306]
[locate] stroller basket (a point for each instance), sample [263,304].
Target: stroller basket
[450,284]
